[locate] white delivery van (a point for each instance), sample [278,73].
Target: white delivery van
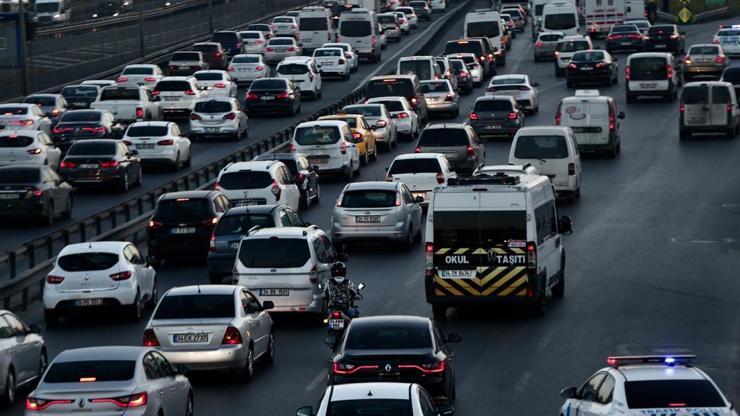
[594,119]
[536,12]
[359,28]
[314,27]
[560,17]
[651,74]
[53,11]
[486,23]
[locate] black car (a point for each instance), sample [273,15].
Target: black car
[624,38]
[35,191]
[304,175]
[496,116]
[475,46]
[273,95]
[229,40]
[407,349]
[664,38]
[77,125]
[80,96]
[183,222]
[591,66]
[732,75]
[236,223]
[101,162]
[464,79]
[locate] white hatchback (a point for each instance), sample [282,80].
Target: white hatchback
[285,26]
[177,95]
[247,67]
[28,147]
[159,142]
[421,172]
[18,116]
[332,61]
[254,41]
[216,83]
[303,72]
[404,117]
[259,183]
[349,53]
[140,74]
[94,275]
[328,144]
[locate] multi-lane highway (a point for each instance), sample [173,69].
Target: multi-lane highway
[652,268]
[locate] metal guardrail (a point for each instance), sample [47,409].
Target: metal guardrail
[710,14]
[26,287]
[666,17]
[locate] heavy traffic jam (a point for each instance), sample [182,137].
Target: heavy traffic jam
[488,139]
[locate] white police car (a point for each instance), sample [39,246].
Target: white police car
[654,385]
[729,38]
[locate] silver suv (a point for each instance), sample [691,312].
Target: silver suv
[458,142]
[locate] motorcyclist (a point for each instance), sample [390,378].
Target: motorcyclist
[340,287]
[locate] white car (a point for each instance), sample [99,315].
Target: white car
[284,26]
[159,142]
[331,61]
[254,41]
[102,83]
[246,68]
[303,72]
[328,144]
[403,23]
[177,95]
[218,117]
[518,86]
[647,385]
[100,274]
[20,116]
[403,115]
[421,172]
[140,74]
[216,83]
[727,38]
[471,63]
[349,53]
[259,183]
[280,48]
[28,147]
[410,15]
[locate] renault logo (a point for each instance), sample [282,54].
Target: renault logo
[81,403]
[388,368]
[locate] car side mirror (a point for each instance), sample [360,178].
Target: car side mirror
[361,286]
[182,369]
[419,199]
[133,152]
[453,338]
[444,409]
[536,84]
[315,168]
[565,225]
[569,392]
[267,305]
[34,329]
[621,115]
[304,411]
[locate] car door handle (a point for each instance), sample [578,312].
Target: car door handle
[557,241]
[173,389]
[161,393]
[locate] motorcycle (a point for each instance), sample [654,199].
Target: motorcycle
[338,318]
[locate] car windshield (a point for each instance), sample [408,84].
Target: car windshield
[669,393]
[292,69]
[186,56]
[84,262]
[245,179]
[388,337]
[19,175]
[437,86]
[81,116]
[444,137]
[92,149]
[241,224]
[212,106]
[703,50]
[47,7]
[209,76]
[313,23]
[115,93]
[560,21]
[391,105]
[317,135]
[80,91]
[588,56]
[147,131]
[541,147]
[493,106]
[268,84]
[182,209]
[9,110]
[370,407]
[246,59]
[480,29]
[38,100]
[327,52]
[369,198]
[416,165]
[648,69]
[390,87]
[281,42]
[176,86]
[572,46]
[90,371]
[138,70]
[13,140]
[367,111]
[270,252]
[200,306]
[355,28]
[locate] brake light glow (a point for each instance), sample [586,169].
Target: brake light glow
[429,368]
[156,92]
[344,369]
[260,68]
[109,164]
[381,123]
[601,65]
[539,44]
[139,112]
[343,148]
[291,49]
[219,85]
[356,136]
[121,79]
[230,116]
[612,126]
[417,150]
[669,69]
[54,280]
[557,118]
[473,116]
[60,130]
[194,116]
[531,255]
[719,59]
[166,142]
[150,338]
[121,276]
[232,336]
[189,92]
[155,224]
[96,130]
[512,115]
[22,122]
[470,151]
[283,96]
[429,257]
[134,400]
[150,79]
[627,73]
[251,96]
[681,107]
[35,404]
[403,115]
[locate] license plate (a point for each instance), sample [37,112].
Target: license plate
[190,338]
[660,45]
[267,97]
[89,165]
[235,245]
[145,146]
[648,85]
[457,274]
[78,104]
[493,127]
[336,323]
[318,159]
[183,230]
[9,196]
[212,129]
[626,43]
[326,63]
[88,302]
[249,201]
[586,68]
[368,218]
[305,40]
[274,292]
[171,98]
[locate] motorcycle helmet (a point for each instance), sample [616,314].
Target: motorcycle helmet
[338,269]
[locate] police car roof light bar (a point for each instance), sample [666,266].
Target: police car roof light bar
[669,360]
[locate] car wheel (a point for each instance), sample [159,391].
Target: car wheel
[140,177]
[189,160]
[124,185]
[569,83]
[178,163]
[439,311]
[189,407]
[365,159]
[731,133]
[317,197]
[270,354]
[629,98]
[51,318]
[136,310]
[43,363]
[356,172]
[49,215]
[558,290]
[349,174]
[408,243]
[537,307]
[67,214]
[152,301]
[8,397]
[247,372]
[374,156]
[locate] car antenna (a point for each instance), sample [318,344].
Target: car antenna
[198,283]
[369,393]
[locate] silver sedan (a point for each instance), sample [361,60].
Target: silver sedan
[101,381]
[441,97]
[22,355]
[215,327]
[380,120]
[518,86]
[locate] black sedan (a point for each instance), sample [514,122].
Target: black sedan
[396,348]
[592,66]
[80,96]
[35,191]
[664,38]
[624,38]
[304,175]
[76,125]
[101,162]
[273,95]
[496,116]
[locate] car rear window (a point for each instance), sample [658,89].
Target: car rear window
[268,84]
[281,41]
[206,48]
[624,28]
[12,141]
[391,105]
[225,38]
[731,75]
[81,116]
[251,35]
[550,37]
[541,147]
[355,28]
[587,56]
[444,137]
[45,101]
[436,86]
[387,19]
[317,135]
[572,46]
[388,337]
[183,209]
[672,393]
[367,111]
[351,121]
[245,179]
[648,69]
[493,105]
[92,148]
[282,20]
[390,87]
[422,68]
[173,86]
[270,252]
[147,131]
[371,407]
[703,50]
[80,91]
[420,165]
[212,106]
[464,47]
[116,93]
[313,23]
[292,69]
[240,224]
[83,262]
[185,56]
[508,80]
[246,60]
[138,70]
[209,76]
[657,30]
[200,306]
[90,371]
[8,110]
[559,21]
[479,29]
[19,175]
[327,52]
[698,94]
[369,198]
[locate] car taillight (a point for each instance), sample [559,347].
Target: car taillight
[687,60]
[601,65]
[339,368]
[22,122]
[139,112]
[719,59]
[150,338]
[473,116]
[572,66]
[96,130]
[36,151]
[219,85]
[218,54]
[374,40]
[450,97]
[313,275]
[429,256]
[155,224]
[414,101]
[230,69]
[194,116]
[715,41]
[60,130]
[381,123]
[268,49]
[134,400]
[283,96]
[165,142]
[539,44]
[54,280]
[259,68]
[634,36]
[729,107]
[189,92]
[209,222]
[156,92]
[291,49]
[470,151]
[251,96]
[212,242]
[418,149]
[356,135]
[230,116]
[674,36]
[341,61]
[681,107]
[34,404]
[627,73]
[150,79]
[292,148]
[403,115]
[121,79]
[669,69]
[258,42]
[571,169]
[557,118]
[343,148]
[612,37]
[512,115]
[121,276]
[34,193]
[300,178]
[531,255]
[275,189]
[440,178]
[429,368]
[109,164]
[67,165]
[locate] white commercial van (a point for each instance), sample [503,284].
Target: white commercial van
[314,26]
[594,119]
[53,11]
[560,17]
[651,74]
[359,28]
[486,23]
[439,6]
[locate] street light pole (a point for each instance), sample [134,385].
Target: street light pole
[142,48]
[210,16]
[23,47]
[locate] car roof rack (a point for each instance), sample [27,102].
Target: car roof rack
[499,178]
[669,360]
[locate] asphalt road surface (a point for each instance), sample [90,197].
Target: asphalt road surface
[652,267]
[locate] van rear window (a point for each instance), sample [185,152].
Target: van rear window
[312,23]
[560,21]
[720,95]
[270,252]
[480,29]
[541,147]
[390,88]
[421,68]
[485,229]
[695,95]
[463,47]
[648,69]
[355,28]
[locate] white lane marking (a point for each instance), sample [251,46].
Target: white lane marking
[520,61]
[321,376]
[551,87]
[522,383]
[413,279]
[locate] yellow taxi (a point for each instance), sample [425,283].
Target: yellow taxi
[360,130]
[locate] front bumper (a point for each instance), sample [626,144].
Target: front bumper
[225,357]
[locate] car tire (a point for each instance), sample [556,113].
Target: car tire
[189,405]
[270,353]
[178,163]
[365,159]
[374,156]
[350,173]
[730,133]
[558,290]
[49,216]
[439,311]
[537,306]
[51,318]
[569,84]
[317,197]
[247,373]
[684,134]
[630,98]
[154,297]
[558,74]
[140,177]
[124,185]
[356,172]
[408,243]
[67,214]
[536,59]
[43,363]
[7,398]
[136,310]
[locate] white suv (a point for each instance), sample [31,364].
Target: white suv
[286,265]
[566,48]
[304,73]
[94,275]
[328,144]
[332,61]
[177,95]
[259,183]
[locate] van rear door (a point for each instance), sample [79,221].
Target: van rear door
[695,101]
[589,121]
[718,106]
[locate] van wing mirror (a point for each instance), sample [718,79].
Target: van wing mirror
[565,225]
[621,115]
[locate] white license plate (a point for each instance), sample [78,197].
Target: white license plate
[88,302]
[305,40]
[368,218]
[183,230]
[275,292]
[199,338]
[660,45]
[626,43]
[336,323]
[9,196]
[235,246]
[267,97]
[457,274]
[648,85]
[145,146]
[89,165]
[171,98]
[248,201]
[586,68]
[493,127]
[212,129]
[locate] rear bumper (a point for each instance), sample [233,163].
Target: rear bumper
[342,234]
[442,106]
[226,357]
[221,264]
[162,245]
[21,207]
[708,70]
[65,301]
[619,46]
[269,107]
[495,129]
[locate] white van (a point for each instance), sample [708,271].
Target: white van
[314,26]
[359,28]
[594,119]
[708,107]
[552,150]
[424,67]
[536,12]
[486,23]
[651,74]
[560,17]
[439,6]
[53,11]
[329,145]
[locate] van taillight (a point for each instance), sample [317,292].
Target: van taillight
[681,107]
[557,118]
[668,68]
[627,73]
[531,255]
[429,257]
[612,122]
[440,178]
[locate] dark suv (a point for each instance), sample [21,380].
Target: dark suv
[496,116]
[476,46]
[664,38]
[183,222]
[407,86]
[304,175]
[458,142]
[229,40]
